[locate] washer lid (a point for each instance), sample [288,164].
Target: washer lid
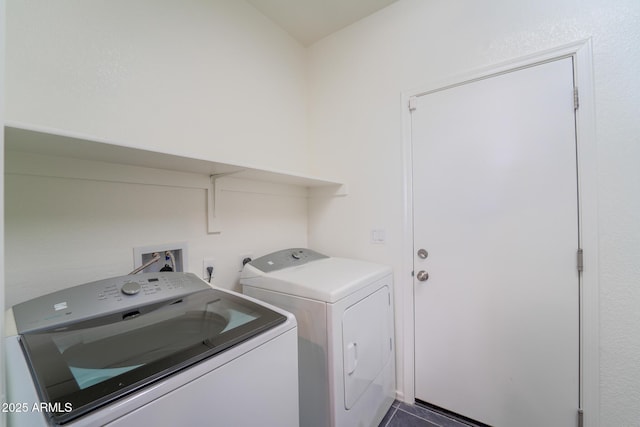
[325,279]
[85,365]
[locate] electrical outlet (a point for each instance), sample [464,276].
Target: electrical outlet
[208,262]
[378,236]
[173,255]
[242,260]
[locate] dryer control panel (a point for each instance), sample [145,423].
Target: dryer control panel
[126,294]
[285,258]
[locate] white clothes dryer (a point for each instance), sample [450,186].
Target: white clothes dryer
[344,310]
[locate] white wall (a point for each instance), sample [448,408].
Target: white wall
[62,232]
[356,79]
[210,79]
[213,79]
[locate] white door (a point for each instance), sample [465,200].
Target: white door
[495,207]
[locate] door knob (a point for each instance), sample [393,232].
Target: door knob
[423,254]
[422,276]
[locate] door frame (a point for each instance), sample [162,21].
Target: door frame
[581,51]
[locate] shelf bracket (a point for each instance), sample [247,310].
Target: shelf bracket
[213,195]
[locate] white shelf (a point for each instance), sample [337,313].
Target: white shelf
[108,161]
[53,142]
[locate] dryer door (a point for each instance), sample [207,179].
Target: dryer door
[366,343]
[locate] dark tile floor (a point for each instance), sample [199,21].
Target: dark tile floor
[403,415]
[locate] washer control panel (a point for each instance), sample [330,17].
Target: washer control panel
[285,258]
[95,299]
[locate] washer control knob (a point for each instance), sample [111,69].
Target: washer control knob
[130,288]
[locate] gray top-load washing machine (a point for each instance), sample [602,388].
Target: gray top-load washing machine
[344,309]
[150,349]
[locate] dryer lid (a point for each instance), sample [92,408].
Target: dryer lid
[324,279]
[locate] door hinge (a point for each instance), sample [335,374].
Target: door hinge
[580,258]
[580,417]
[576,98]
[413,103]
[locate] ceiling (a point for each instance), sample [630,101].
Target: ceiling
[310,20]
